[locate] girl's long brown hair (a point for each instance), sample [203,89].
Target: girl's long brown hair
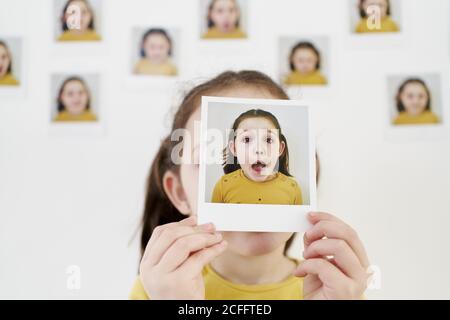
[158,208]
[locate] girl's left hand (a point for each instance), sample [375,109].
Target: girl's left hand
[344,275]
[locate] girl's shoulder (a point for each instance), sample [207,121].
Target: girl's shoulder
[287,179]
[138,291]
[230,176]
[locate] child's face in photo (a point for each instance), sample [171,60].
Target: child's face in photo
[382,4]
[86,14]
[414,98]
[242,243]
[74,97]
[156,48]
[5,61]
[225,15]
[305,60]
[257,147]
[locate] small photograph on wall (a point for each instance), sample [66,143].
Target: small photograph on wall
[155,51]
[11,62]
[223,19]
[75,98]
[303,61]
[77,20]
[415,100]
[375,16]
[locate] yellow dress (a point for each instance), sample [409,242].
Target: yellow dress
[387,25]
[235,187]
[426,117]
[65,116]
[297,78]
[89,35]
[215,33]
[146,67]
[9,80]
[218,288]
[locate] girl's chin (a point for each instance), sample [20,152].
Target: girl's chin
[255,243]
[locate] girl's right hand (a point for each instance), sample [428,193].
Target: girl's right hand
[175,256]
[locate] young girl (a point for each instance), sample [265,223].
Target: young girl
[6,76]
[386,22]
[183,260]
[414,103]
[74,101]
[305,62]
[156,49]
[257,163]
[86,30]
[224,20]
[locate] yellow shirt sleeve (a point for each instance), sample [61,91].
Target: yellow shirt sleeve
[217,196]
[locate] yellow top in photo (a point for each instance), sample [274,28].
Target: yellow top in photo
[387,25]
[71,35]
[313,78]
[426,117]
[9,80]
[146,67]
[235,187]
[64,116]
[215,33]
[218,288]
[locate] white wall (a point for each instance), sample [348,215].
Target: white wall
[76,200]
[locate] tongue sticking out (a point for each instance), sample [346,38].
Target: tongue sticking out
[258,167]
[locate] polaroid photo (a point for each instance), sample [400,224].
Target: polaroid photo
[78,27]
[75,104]
[415,108]
[12,66]
[223,19]
[155,57]
[257,165]
[304,66]
[377,24]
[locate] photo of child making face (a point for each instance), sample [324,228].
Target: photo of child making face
[224,20]
[256,157]
[77,22]
[375,17]
[305,65]
[415,103]
[256,163]
[7,69]
[155,52]
[74,102]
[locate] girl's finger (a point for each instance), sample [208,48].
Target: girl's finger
[317,216]
[196,262]
[343,256]
[182,248]
[327,272]
[169,235]
[189,221]
[335,230]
